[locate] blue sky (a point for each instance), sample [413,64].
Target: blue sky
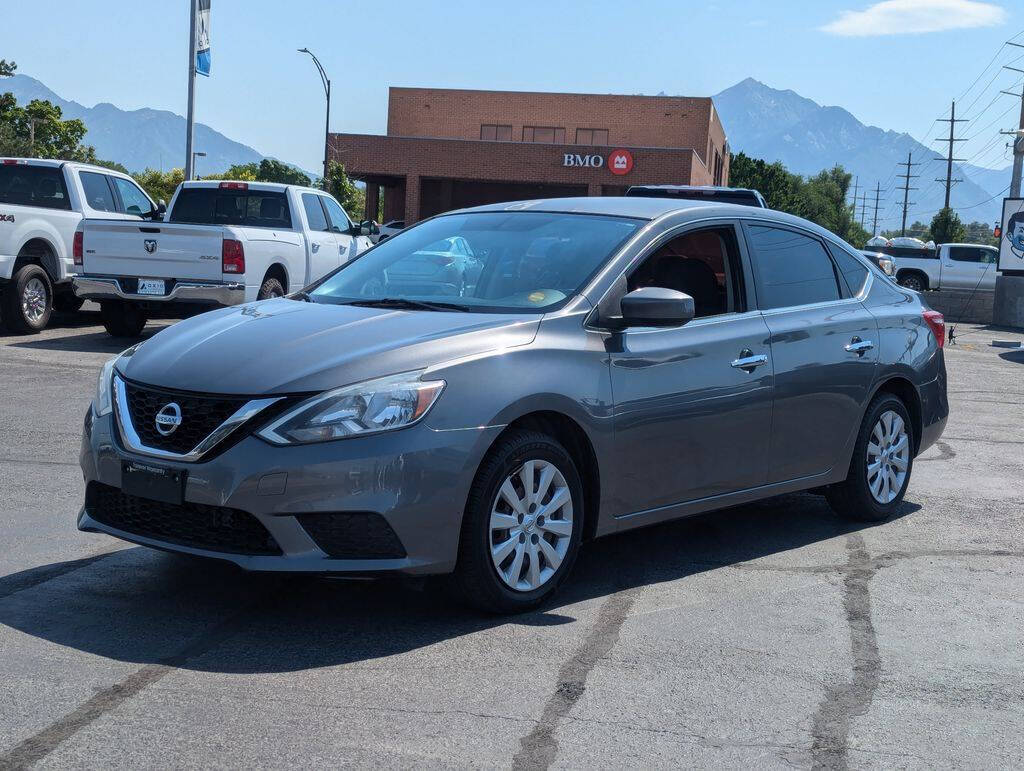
[265,94]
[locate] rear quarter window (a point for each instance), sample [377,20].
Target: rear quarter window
[855,272]
[214,206]
[41,186]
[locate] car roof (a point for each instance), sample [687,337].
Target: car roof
[252,185]
[698,188]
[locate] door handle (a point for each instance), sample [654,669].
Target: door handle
[858,346]
[315,247]
[748,362]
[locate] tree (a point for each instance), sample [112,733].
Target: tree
[7,68]
[267,170]
[780,188]
[947,228]
[38,130]
[160,184]
[352,198]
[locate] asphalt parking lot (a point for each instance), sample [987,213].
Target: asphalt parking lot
[768,635]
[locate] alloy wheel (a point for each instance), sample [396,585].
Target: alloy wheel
[888,457]
[33,300]
[531,525]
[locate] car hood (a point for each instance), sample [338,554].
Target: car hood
[286,346]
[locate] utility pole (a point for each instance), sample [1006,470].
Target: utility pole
[952,120]
[1018,142]
[856,181]
[863,206]
[906,190]
[874,225]
[190,120]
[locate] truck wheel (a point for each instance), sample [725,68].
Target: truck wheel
[28,300]
[67,302]
[271,288]
[913,281]
[122,319]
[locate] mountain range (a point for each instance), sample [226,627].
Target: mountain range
[138,139]
[781,125]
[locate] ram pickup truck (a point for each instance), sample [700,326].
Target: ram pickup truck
[946,266]
[220,244]
[42,205]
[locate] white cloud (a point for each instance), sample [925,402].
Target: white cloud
[909,17]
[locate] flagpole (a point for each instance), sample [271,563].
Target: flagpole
[191,88]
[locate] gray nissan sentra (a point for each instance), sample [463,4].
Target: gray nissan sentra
[598,364]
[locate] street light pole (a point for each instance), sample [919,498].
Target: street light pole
[327,92]
[195,155]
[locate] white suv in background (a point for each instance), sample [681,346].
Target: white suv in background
[42,205]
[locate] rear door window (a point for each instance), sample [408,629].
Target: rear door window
[33,186]
[314,212]
[218,206]
[98,194]
[791,268]
[855,272]
[965,253]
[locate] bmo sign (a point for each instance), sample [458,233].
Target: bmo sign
[619,161]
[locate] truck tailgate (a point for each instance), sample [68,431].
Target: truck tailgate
[152,249]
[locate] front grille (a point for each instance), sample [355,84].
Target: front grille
[214,528]
[353,535]
[200,415]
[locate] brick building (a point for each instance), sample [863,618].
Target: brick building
[450,148]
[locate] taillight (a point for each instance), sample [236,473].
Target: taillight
[232,256]
[76,248]
[937,324]
[234,185]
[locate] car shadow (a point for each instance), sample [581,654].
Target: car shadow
[1017,357]
[143,606]
[92,342]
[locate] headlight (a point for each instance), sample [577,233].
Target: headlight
[103,403]
[363,408]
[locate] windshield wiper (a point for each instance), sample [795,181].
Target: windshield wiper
[301,295]
[402,303]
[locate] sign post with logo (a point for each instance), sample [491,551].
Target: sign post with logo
[619,161]
[1008,305]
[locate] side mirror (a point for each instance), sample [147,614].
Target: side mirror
[367,228]
[655,306]
[159,211]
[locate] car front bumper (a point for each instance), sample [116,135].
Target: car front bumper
[416,479]
[199,292]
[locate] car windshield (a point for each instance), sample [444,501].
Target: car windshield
[482,261]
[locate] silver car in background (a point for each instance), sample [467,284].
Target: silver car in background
[618,362]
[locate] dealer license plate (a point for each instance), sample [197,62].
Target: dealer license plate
[158,483]
[151,286]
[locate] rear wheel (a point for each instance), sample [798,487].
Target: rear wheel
[271,287]
[27,300]
[882,461]
[122,319]
[522,525]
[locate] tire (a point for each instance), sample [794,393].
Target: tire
[476,575]
[27,301]
[67,302]
[122,319]
[913,281]
[271,287]
[855,497]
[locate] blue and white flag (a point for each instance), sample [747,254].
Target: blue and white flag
[202,33]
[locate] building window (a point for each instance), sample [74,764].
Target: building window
[548,134]
[496,132]
[717,169]
[591,136]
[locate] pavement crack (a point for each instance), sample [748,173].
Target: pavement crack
[38,746]
[540,747]
[846,701]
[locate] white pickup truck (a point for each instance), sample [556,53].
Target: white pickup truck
[946,266]
[42,205]
[221,243]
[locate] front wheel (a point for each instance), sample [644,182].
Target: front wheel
[912,281]
[522,526]
[122,319]
[882,461]
[28,300]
